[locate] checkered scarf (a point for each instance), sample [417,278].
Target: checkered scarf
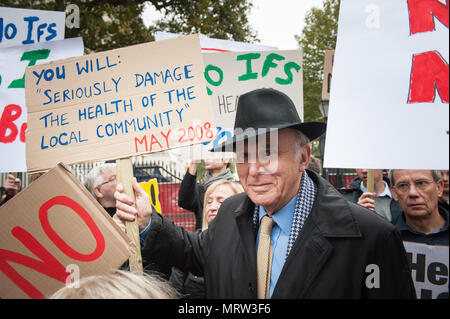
[305,200]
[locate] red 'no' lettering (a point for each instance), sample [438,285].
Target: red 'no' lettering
[423,12]
[47,263]
[429,71]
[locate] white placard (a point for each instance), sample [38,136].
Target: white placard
[231,74]
[13,111]
[429,268]
[389,98]
[26,26]
[218,45]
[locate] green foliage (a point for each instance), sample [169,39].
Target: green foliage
[319,35]
[111,24]
[220,19]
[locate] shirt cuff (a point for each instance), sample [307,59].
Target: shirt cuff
[143,234]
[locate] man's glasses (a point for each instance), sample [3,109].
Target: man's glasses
[111,180]
[420,185]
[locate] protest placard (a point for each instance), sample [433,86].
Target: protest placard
[13,110]
[429,267]
[217,45]
[25,26]
[117,104]
[209,45]
[389,103]
[230,74]
[53,229]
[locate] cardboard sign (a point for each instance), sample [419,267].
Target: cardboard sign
[117,104]
[217,45]
[327,74]
[13,110]
[429,265]
[230,74]
[25,26]
[54,230]
[389,104]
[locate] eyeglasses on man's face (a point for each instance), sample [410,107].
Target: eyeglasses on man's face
[421,185]
[111,180]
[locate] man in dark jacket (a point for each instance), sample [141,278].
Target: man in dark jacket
[321,246]
[423,226]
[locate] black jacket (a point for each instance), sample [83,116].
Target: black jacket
[331,258]
[191,196]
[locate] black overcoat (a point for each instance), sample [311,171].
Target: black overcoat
[343,251]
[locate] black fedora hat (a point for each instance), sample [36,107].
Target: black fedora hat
[264,110]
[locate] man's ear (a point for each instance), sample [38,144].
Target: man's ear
[440,187]
[306,157]
[97,192]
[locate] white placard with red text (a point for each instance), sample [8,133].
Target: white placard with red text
[389,104]
[13,111]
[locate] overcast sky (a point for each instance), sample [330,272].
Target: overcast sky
[276,21]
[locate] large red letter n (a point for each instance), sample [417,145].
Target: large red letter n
[429,72]
[423,12]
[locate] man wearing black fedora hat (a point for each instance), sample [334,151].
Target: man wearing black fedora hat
[291,234]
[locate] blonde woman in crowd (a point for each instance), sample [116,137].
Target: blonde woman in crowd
[118,284]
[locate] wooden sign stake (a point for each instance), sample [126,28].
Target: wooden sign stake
[371,181]
[124,175]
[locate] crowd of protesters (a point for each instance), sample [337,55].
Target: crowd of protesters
[278,230]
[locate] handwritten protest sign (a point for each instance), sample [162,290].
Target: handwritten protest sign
[429,265]
[210,45]
[389,103]
[53,229]
[13,110]
[116,104]
[217,45]
[26,26]
[230,74]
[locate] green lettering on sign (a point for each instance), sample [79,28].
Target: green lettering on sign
[250,75]
[208,78]
[31,56]
[268,64]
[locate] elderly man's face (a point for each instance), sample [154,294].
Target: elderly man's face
[417,192]
[105,191]
[272,184]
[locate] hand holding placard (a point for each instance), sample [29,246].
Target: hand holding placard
[52,224]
